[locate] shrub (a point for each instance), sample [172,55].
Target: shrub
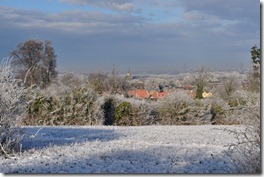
[235,108]
[233,103]
[228,87]
[12,107]
[180,109]
[62,105]
[142,112]
[245,152]
[71,80]
[218,107]
[38,108]
[123,114]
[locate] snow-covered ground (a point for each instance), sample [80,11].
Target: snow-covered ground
[110,149]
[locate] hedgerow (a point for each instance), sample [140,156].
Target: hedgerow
[72,101]
[64,106]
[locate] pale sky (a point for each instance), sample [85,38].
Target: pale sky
[142,35]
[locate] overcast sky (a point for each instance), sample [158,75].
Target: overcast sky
[142,35]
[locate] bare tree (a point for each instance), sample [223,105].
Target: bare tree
[155,84]
[108,83]
[98,81]
[35,61]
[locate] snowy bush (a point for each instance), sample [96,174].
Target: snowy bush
[63,105]
[123,114]
[155,83]
[173,108]
[228,87]
[74,100]
[139,112]
[245,152]
[72,80]
[145,113]
[218,107]
[233,108]
[11,109]
[241,107]
[180,109]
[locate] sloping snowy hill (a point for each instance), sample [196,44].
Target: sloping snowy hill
[109,149]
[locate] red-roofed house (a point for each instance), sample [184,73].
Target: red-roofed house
[157,95]
[143,94]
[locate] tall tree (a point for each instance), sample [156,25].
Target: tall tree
[49,64]
[255,54]
[254,75]
[36,62]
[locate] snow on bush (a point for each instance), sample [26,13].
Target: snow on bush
[71,100]
[245,152]
[180,109]
[63,105]
[72,79]
[242,106]
[136,112]
[12,108]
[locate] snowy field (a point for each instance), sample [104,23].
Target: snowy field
[109,149]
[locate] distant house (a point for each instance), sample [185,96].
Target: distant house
[155,95]
[142,94]
[207,94]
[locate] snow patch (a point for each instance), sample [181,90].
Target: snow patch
[110,149]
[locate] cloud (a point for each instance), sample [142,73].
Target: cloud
[235,21]
[122,5]
[158,3]
[72,21]
[203,34]
[225,9]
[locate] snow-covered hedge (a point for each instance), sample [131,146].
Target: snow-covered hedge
[180,109]
[71,100]
[142,112]
[63,105]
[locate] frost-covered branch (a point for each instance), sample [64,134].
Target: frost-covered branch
[12,107]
